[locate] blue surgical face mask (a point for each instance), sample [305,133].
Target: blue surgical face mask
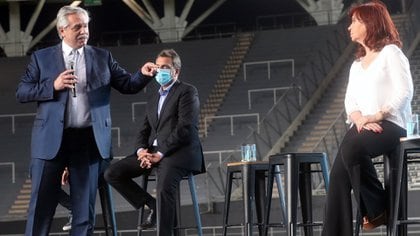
[163,76]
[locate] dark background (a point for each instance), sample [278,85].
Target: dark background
[114,16]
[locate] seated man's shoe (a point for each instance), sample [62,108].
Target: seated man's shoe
[150,221]
[375,222]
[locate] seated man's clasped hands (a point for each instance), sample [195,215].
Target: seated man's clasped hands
[147,159]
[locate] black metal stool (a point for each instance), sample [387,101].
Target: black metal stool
[398,191]
[298,174]
[192,186]
[253,183]
[108,213]
[396,186]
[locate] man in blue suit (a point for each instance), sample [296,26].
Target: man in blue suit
[71,83]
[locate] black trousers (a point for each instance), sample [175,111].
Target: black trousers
[120,176]
[353,170]
[64,199]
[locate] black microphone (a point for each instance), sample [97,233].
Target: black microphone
[73,90]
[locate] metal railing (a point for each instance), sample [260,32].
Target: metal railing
[284,21]
[13,117]
[274,90]
[12,165]
[296,19]
[216,171]
[287,113]
[117,129]
[288,107]
[219,154]
[268,63]
[133,107]
[209,31]
[331,140]
[230,117]
[410,28]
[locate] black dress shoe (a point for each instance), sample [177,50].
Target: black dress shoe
[150,221]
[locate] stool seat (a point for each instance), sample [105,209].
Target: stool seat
[253,182]
[297,167]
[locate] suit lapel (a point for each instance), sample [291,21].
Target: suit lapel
[154,110]
[58,57]
[168,99]
[89,67]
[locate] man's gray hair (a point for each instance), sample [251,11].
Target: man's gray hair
[62,14]
[176,60]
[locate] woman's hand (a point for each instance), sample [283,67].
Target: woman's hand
[363,123]
[360,123]
[374,127]
[369,122]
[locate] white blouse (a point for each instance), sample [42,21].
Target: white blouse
[385,85]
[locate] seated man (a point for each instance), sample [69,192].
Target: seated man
[168,141]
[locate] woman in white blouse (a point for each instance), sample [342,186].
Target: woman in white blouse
[378,104]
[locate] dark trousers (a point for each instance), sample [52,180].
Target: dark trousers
[80,154]
[353,170]
[120,176]
[64,200]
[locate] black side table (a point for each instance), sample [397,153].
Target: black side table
[253,183]
[298,171]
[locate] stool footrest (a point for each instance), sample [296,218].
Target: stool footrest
[233,225]
[279,225]
[408,222]
[186,227]
[146,230]
[241,224]
[298,224]
[309,224]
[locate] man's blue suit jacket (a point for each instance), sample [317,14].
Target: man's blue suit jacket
[102,73]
